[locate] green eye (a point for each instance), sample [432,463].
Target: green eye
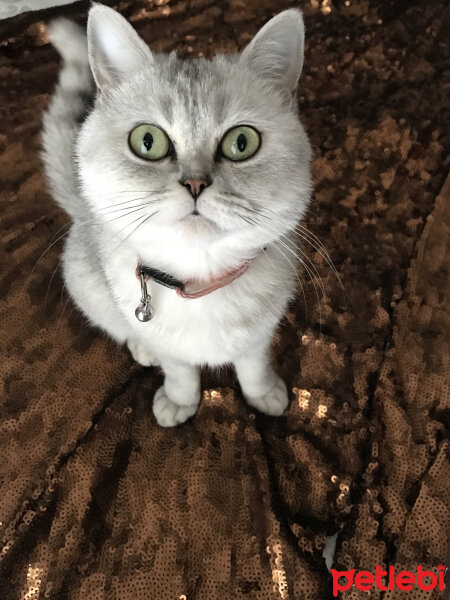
[240,143]
[149,142]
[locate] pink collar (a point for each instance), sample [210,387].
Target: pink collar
[197,289]
[192,288]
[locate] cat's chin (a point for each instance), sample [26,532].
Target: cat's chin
[197,224]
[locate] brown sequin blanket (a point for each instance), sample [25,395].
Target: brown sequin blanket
[97,501]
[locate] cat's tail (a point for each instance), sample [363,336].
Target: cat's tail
[70,102]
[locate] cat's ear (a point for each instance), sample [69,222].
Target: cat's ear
[276,52]
[115,49]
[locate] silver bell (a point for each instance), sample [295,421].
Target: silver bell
[144,312]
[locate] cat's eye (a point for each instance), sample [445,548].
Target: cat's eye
[149,142]
[240,143]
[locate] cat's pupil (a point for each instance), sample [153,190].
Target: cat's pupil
[148,141]
[242,142]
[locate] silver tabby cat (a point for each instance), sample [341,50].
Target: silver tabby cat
[188,171]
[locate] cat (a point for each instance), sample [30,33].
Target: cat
[188,173]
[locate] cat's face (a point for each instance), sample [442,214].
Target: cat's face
[198,149]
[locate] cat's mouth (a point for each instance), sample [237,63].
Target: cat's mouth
[197,221]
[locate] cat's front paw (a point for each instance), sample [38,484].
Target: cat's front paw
[273,402]
[169,414]
[141,353]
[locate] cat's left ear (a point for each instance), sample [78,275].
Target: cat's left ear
[276,52]
[115,49]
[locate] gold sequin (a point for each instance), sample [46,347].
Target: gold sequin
[278,572]
[303,398]
[33,585]
[322,411]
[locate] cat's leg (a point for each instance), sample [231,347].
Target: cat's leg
[86,284]
[178,398]
[262,387]
[141,352]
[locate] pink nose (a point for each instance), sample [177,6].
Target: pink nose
[195,186]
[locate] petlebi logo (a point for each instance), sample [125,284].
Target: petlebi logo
[388,580]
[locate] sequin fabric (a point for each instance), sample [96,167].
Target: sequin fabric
[96,500]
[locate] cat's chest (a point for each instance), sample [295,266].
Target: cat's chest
[212,329]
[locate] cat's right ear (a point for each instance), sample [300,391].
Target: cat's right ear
[276,52]
[115,49]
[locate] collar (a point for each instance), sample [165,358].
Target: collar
[192,288]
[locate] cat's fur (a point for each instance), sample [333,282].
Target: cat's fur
[249,206]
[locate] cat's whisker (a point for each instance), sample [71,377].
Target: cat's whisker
[123,204]
[128,207]
[63,289]
[116,234]
[130,212]
[247,219]
[161,191]
[234,194]
[50,282]
[303,228]
[47,250]
[252,210]
[145,218]
[76,226]
[70,226]
[312,239]
[312,272]
[126,202]
[62,313]
[300,279]
[312,279]
[309,261]
[246,209]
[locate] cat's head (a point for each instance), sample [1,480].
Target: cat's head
[195,151]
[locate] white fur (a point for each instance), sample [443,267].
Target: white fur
[249,206]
